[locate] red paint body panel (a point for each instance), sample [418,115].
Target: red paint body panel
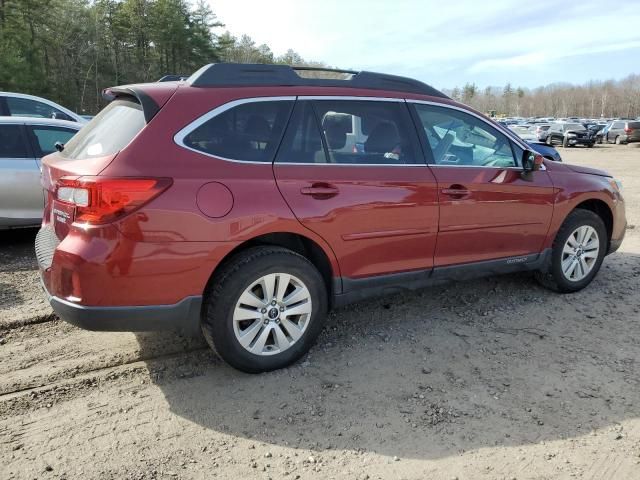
[501,216]
[383,219]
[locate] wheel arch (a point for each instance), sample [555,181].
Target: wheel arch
[600,208]
[296,242]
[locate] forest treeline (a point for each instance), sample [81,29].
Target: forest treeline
[595,99]
[69,50]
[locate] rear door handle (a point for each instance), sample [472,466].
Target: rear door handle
[456,192]
[320,190]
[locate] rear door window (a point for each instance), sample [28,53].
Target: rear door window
[108,132]
[302,142]
[634,125]
[13,143]
[25,107]
[247,132]
[386,136]
[47,137]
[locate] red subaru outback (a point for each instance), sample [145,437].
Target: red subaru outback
[250,199]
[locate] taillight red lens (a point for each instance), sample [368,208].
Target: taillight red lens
[628,130]
[100,200]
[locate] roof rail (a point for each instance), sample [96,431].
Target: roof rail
[245,75]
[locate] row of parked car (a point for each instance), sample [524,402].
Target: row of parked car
[30,128]
[572,133]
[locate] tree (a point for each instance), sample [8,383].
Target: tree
[468,92]
[69,50]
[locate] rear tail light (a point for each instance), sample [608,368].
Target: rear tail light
[628,130]
[100,200]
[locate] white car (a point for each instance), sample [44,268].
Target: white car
[22,105]
[525,132]
[23,142]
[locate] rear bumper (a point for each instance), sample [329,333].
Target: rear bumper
[183,316]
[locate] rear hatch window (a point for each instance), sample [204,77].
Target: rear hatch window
[108,132]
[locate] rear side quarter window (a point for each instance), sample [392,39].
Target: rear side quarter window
[250,131]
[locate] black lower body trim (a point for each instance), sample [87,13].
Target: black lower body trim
[355,290]
[183,316]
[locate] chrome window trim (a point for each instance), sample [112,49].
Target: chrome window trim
[179,137]
[352,164]
[351,98]
[508,133]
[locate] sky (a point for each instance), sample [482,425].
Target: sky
[448,43]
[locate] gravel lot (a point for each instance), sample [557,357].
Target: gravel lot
[493,378]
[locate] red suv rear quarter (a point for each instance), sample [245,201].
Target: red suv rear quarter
[347,189]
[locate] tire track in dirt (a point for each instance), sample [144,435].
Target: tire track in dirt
[38,354]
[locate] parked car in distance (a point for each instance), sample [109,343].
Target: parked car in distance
[229,202]
[569,135]
[23,142]
[525,132]
[622,131]
[602,133]
[541,131]
[22,105]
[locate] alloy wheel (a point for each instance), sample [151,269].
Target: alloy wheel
[272,314]
[580,253]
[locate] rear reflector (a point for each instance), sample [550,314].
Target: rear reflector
[100,200]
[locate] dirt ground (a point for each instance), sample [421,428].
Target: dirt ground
[491,379]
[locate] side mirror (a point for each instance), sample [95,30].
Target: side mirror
[532,161]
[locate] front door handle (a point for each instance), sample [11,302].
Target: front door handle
[456,191]
[320,190]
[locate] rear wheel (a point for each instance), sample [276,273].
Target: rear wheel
[548,141]
[617,141]
[265,309]
[577,252]
[565,142]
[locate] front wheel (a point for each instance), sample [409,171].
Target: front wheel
[265,309]
[577,253]
[565,142]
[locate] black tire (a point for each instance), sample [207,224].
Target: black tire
[600,141]
[565,143]
[589,145]
[232,280]
[548,141]
[617,141]
[553,278]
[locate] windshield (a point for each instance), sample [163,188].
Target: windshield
[109,131]
[574,127]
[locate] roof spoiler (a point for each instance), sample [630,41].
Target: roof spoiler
[149,107]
